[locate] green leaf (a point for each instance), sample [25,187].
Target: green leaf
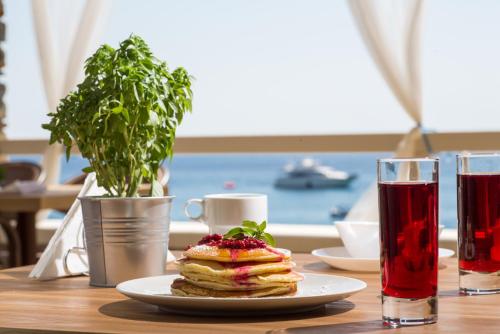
[68,152]
[126,115]
[269,239]
[232,232]
[87,169]
[262,226]
[248,231]
[250,224]
[118,109]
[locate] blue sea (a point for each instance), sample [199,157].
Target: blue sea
[192,176]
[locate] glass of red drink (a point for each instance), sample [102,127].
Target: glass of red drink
[478,197]
[408,207]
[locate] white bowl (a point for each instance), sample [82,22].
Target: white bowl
[361,239]
[440,229]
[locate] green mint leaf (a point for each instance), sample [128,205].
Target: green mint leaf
[262,226]
[250,224]
[232,232]
[269,239]
[251,229]
[248,231]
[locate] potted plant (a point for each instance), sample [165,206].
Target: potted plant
[123,118]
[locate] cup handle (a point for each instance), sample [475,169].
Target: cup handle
[78,251]
[198,201]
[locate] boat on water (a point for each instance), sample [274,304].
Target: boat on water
[309,173]
[338,212]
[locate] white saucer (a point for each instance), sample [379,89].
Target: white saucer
[338,257]
[313,292]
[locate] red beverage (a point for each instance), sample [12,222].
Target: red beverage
[409,238]
[479,222]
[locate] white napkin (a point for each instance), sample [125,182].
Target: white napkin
[68,242]
[68,236]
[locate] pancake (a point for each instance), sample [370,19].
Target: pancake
[233,286]
[224,269]
[181,287]
[214,253]
[242,283]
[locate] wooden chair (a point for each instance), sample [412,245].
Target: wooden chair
[19,171]
[16,171]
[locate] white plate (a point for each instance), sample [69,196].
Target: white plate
[338,257]
[445,253]
[313,292]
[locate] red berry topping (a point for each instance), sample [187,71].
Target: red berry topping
[243,243]
[210,239]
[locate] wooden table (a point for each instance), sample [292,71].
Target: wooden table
[71,305]
[59,197]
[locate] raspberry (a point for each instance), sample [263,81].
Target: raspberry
[211,238]
[217,240]
[245,243]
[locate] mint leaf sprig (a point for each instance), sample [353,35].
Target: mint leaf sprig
[251,229]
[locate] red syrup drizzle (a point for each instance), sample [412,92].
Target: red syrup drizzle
[234,254]
[242,275]
[274,251]
[236,265]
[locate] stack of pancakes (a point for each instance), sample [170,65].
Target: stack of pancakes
[211,271]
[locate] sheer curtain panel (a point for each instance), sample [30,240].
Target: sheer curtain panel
[66,32]
[391,32]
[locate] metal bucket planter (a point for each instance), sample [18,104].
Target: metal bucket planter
[126,238]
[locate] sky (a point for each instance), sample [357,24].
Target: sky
[284,67]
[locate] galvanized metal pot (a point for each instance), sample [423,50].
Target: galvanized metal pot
[126,238]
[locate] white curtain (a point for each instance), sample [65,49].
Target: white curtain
[391,32]
[66,33]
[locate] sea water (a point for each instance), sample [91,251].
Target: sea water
[194,175]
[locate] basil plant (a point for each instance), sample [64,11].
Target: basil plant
[123,116]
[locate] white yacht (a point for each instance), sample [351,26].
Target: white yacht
[310,174]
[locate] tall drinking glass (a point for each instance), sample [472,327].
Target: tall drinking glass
[408,206]
[478,196]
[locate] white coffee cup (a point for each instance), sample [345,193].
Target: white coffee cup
[222,212]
